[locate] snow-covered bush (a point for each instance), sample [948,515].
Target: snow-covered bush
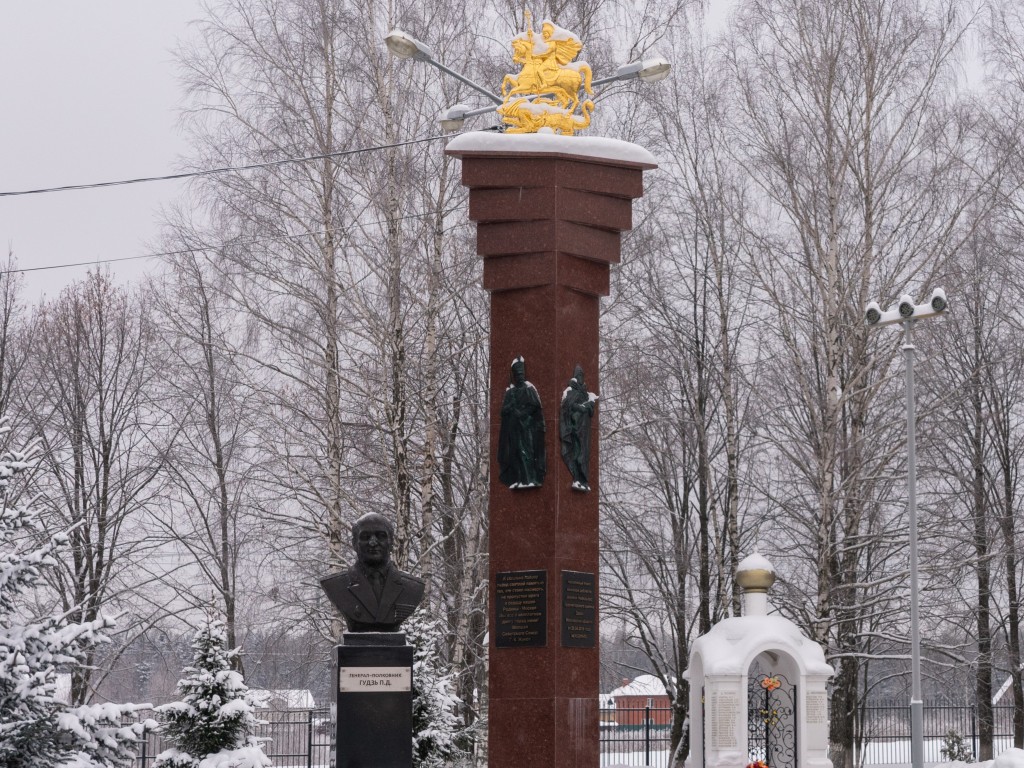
[36,730]
[211,727]
[436,729]
[956,749]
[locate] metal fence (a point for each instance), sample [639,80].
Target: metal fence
[641,737]
[636,737]
[302,739]
[299,739]
[885,729]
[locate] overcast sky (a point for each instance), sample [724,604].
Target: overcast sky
[89,93]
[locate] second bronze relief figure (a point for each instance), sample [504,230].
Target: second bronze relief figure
[574,424]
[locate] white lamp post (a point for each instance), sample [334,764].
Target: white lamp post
[907,313]
[405,46]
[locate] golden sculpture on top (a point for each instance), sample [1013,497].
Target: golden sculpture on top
[546,92]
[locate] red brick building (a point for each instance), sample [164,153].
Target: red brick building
[643,698]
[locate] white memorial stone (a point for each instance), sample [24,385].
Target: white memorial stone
[723,719]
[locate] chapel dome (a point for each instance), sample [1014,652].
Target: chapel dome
[755,573]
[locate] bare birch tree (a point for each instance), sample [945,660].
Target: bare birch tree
[209,514]
[15,344]
[1003,27]
[966,461]
[676,386]
[91,405]
[847,134]
[350,272]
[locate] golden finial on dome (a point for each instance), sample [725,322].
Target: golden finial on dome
[755,573]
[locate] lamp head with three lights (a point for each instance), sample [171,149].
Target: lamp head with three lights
[905,309]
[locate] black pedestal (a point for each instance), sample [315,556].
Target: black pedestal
[374,685]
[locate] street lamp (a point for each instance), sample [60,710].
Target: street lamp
[906,312]
[453,118]
[405,46]
[649,70]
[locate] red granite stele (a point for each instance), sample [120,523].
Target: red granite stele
[548,228]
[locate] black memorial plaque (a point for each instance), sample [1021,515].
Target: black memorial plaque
[521,609]
[579,609]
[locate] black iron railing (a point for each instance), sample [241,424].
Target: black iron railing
[636,737]
[885,729]
[293,739]
[640,737]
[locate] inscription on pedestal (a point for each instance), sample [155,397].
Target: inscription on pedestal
[579,609]
[374,679]
[817,708]
[521,609]
[724,708]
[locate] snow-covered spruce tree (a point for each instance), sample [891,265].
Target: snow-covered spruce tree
[436,729]
[211,727]
[36,730]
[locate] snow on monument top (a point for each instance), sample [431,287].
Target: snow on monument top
[551,143]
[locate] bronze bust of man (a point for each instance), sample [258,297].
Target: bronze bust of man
[373,595]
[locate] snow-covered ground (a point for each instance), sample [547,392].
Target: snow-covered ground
[896,752]
[1008,758]
[659,759]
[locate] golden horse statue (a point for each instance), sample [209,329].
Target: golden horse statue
[538,77]
[550,78]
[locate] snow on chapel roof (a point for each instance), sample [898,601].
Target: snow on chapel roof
[733,643]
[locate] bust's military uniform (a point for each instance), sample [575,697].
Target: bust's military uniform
[374,607]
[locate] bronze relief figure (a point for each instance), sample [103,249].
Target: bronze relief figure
[574,424]
[521,457]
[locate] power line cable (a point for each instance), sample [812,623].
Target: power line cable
[204,248]
[208,172]
[226,169]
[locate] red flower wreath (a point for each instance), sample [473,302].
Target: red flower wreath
[770,684]
[757,764]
